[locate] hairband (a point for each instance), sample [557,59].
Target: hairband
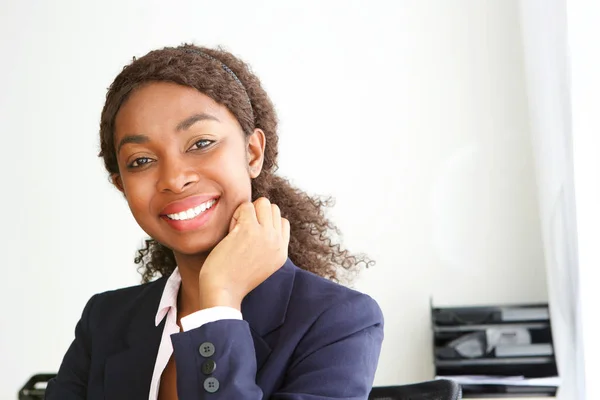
[228,70]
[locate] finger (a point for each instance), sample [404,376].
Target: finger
[285,232]
[276,214]
[264,215]
[243,214]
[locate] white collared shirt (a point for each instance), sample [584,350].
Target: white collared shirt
[168,308]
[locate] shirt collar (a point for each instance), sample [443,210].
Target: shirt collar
[169,296]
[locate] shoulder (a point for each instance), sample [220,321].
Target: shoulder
[124,302]
[131,293]
[320,296]
[326,315]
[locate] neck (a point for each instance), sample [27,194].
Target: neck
[189,297]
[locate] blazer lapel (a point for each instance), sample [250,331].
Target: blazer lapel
[265,307]
[128,372]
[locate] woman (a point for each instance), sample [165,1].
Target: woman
[189,137]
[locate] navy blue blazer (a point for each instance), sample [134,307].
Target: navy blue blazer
[302,337]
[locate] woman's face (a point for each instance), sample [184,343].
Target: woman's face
[185,165]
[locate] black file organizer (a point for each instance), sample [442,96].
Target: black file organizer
[450,323]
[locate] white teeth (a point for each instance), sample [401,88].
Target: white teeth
[192,212]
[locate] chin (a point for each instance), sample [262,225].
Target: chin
[192,251]
[194,246]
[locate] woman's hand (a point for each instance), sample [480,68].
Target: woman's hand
[256,247]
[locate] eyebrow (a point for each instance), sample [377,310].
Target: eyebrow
[186,123]
[183,125]
[138,139]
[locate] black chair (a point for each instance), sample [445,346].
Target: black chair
[433,390]
[35,388]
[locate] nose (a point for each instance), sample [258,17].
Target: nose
[175,176]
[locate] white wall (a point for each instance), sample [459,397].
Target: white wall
[582,21]
[416,109]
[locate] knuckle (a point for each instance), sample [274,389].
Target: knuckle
[262,201]
[246,207]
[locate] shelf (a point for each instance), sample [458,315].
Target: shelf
[495,361]
[468,328]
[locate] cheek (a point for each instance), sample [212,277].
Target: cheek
[138,193]
[234,176]
[236,184]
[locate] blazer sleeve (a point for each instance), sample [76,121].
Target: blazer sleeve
[71,381]
[336,359]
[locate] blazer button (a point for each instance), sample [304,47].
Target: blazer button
[211,385]
[208,367]
[206,349]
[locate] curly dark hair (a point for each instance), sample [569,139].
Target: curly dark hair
[230,82]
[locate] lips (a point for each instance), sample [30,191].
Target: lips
[187,203]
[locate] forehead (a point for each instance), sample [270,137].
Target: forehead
[164,105]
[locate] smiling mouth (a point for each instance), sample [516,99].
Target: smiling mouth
[192,212]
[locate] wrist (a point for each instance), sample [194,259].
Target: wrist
[218,297]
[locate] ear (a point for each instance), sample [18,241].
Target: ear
[118,183]
[256,152]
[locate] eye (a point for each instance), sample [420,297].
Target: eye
[202,144]
[139,162]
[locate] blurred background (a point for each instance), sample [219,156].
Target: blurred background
[457,137]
